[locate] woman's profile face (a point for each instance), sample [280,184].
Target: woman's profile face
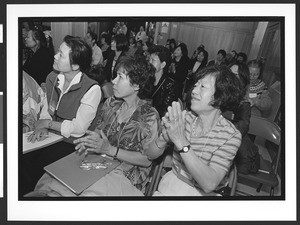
[62,59]
[121,84]
[203,94]
[254,72]
[178,52]
[200,57]
[29,41]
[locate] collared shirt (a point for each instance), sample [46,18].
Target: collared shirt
[97,57]
[86,111]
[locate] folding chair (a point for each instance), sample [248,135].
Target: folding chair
[265,130]
[164,162]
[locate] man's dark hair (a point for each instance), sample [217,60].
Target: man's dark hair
[80,54]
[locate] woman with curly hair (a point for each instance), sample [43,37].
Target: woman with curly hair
[127,125]
[205,142]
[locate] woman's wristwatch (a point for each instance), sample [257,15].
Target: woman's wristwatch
[185,149]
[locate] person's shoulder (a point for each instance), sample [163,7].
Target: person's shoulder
[147,108]
[227,127]
[52,76]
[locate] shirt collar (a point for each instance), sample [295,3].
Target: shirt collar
[61,81]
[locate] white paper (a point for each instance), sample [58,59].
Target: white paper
[28,146]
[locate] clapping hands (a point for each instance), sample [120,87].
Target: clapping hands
[174,124]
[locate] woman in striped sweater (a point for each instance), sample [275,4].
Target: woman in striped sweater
[205,142]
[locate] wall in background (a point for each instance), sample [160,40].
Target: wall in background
[213,35]
[60,29]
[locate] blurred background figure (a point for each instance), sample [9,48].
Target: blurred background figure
[97,57]
[39,63]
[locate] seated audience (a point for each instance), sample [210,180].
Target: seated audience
[104,46]
[126,128]
[119,47]
[205,142]
[72,97]
[34,100]
[171,44]
[247,157]
[141,35]
[220,60]
[39,63]
[195,54]
[242,57]
[230,58]
[261,102]
[165,87]
[97,57]
[179,67]
[200,63]
[240,116]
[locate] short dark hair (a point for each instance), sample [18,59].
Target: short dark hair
[243,55]
[244,75]
[163,54]
[223,52]
[228,94]
[39,35]
[183,48]
[93,35]
[205,53]
[140,72]
[105,36]
[80,54]
[121,42]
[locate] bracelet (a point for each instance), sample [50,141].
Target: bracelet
[115,156]
[50,124]
[158,146]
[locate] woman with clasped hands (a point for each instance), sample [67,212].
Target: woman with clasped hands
[127,126]
[205,142]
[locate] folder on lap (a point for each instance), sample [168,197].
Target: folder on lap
[77,176]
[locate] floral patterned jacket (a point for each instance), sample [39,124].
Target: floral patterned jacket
[134,135]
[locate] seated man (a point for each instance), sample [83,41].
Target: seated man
[220,60]
[73,100]
[73,97]
[97,57]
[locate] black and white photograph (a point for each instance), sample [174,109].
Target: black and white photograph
[130,108]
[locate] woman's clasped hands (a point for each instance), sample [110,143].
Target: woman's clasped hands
[174,124]
[93,143]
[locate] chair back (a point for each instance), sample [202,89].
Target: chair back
[262,127]
[275,95]
[232,180]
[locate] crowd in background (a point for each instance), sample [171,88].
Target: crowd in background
[174,75]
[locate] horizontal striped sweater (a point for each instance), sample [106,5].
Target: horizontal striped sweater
[217,148]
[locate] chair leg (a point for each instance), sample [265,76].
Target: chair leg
[272,191]
[259,187]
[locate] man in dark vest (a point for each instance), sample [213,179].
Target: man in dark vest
[73,97]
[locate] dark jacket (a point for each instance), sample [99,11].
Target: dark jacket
[39,65]
[107,69]
[164,94]
[240,117]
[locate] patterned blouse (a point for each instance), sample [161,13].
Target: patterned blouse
[134,135]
